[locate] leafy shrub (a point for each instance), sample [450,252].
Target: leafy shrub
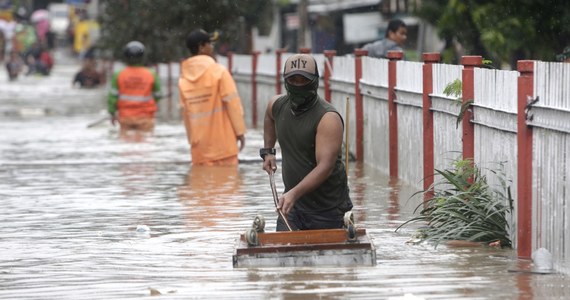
[465,207]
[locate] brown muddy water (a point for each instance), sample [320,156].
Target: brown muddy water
[90,214]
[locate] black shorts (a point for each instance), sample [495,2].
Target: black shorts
[305,220]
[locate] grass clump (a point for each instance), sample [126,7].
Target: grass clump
[463,206]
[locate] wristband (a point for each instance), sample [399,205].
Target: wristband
[265,151]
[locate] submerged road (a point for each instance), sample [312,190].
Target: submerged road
[88,214]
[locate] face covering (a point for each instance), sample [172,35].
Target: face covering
[302,97]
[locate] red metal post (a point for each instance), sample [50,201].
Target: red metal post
[230,61]
[329,55]
[254,57]
[278,55]
[359,109]
[468,93]
[394,57]
[524,160]
[427,115]
[305,50]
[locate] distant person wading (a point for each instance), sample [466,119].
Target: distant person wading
[134,92]
[212,109]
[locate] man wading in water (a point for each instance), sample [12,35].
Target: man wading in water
[309,131]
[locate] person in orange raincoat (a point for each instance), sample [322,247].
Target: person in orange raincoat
[134,92]
[212,109]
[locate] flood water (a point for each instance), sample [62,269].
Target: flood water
[90,214]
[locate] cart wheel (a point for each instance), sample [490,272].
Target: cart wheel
[348,218]
[251,237]
[258,223]
[351,233]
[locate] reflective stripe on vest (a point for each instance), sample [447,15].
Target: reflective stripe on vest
[135,98]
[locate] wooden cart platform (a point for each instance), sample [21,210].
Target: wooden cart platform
[326,247]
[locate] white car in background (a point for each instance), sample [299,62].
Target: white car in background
[59,18]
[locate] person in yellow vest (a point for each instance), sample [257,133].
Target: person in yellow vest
[212,109]
[134,92]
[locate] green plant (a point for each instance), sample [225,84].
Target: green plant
[454,88]
[465,207]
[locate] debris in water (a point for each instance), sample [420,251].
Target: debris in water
[143,228]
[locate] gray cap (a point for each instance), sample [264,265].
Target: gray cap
[301,64]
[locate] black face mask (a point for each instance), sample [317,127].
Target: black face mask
[302,97]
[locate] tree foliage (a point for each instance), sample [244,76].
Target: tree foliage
[503,31]
[162,25]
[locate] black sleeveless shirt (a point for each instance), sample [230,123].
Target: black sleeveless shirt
[296,135]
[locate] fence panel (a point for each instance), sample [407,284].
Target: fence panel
[343,69]
[409,91]
[222,60]
[495,118]
[242,64]
[342,87]
[265,91]
[266,72]
[375,71]
[447,134]
[242,70]
[374,89]
[320,59]
[267,64]
[551,161]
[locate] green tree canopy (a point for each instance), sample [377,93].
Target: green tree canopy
[162,25]
[503,31]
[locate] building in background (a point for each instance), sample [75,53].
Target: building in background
[59,18]
[344,25]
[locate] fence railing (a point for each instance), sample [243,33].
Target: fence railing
[402,122]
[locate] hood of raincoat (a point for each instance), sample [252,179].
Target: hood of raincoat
[195,67]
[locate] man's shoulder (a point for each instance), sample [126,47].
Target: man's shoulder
[376,44]
[220,67]
[220,71]
[201,59]
[279,101]
[391,45]
[208,62]
[380,48]
[376,49]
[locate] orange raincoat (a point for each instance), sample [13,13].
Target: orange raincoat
[213,113]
